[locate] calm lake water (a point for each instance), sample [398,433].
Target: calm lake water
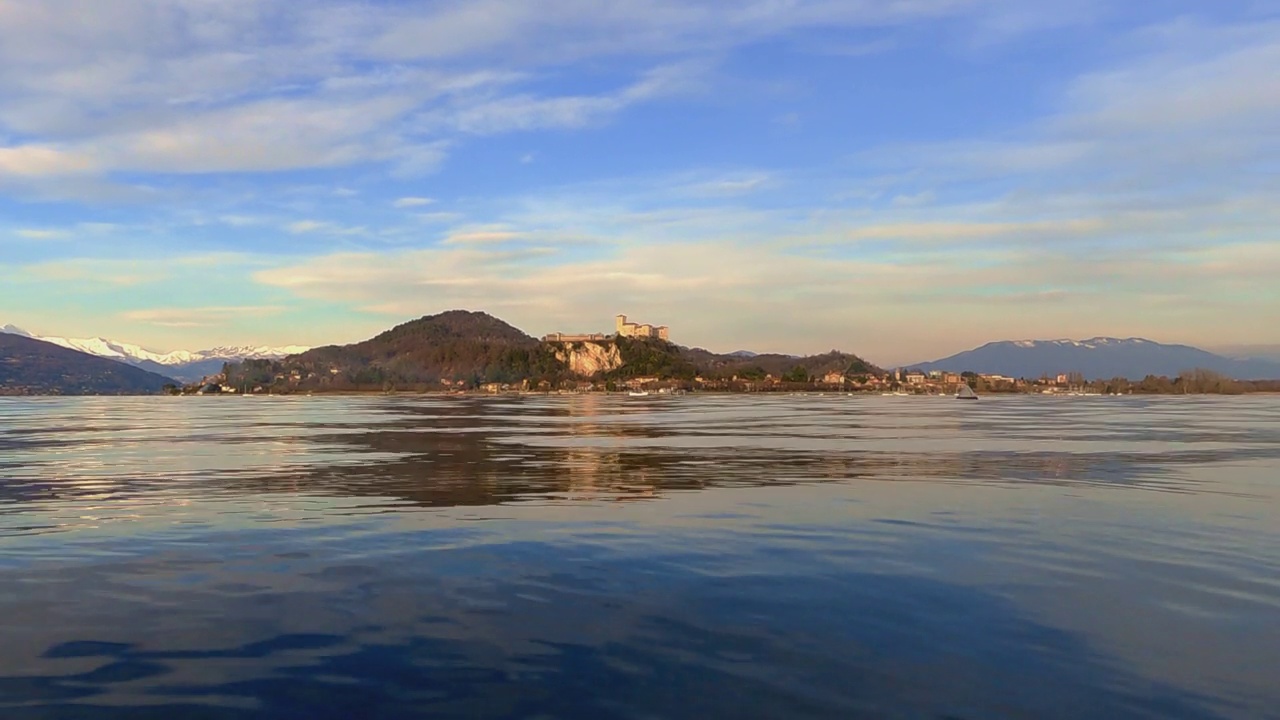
[663,557]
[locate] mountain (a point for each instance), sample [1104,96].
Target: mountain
[183,365]
[454,345]
[1270,353]
[1098,358]
[34,367]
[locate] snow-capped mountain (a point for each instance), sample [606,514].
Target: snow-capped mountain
[182,365]
[1099,357]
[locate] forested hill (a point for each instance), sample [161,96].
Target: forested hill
[456,345]
[459,348]
[780,366]
[34,367]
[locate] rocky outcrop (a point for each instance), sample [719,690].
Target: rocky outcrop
[587,359]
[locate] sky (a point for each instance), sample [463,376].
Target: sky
[903,179]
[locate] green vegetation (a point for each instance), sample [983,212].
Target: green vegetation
[1192,382]
[650,357]
[797,374]
[452,349]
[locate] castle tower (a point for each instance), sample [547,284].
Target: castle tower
[622,324]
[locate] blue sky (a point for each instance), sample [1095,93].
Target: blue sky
[897,178]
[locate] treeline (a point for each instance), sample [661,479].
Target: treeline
[466,370]
[1192,382]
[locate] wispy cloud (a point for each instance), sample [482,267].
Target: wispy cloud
[91,272]
[200,316]
[241,220]
[40,233]
[40,160]
[226,91]
[480,237]
[681,172]
[1198,102]
[304,227]
[1013,288]
[731,185]
[412,202]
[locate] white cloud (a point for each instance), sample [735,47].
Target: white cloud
[1199,77]
[241,220]
[84,271]
[303,227]
[268,85]
[200,316]
[1139,178]
[438,217]
[647,27]
[412,202]
[742,185]
[924,197]
[40,233]
[306,226]
[728,294]
[1195,105]
[480,236]
[40,160]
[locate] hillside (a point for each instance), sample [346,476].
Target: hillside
[464,349]
[34,367]
[472,347]
[752,365]
[1101,357]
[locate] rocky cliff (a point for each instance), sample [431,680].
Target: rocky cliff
[587,359]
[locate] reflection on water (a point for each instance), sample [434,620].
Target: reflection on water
[591,557]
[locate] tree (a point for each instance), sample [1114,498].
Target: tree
[798,374]
[1201,380]
[858,367]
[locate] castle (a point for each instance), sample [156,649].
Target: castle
[624,329]
[627,329]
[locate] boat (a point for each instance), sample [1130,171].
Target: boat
[641,393]
[966,393]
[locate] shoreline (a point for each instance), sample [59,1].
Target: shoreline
[651,395]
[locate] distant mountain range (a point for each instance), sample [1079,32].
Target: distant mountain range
[183,365]
[1098,358]
[34,367]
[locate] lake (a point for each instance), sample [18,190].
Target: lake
[663,557]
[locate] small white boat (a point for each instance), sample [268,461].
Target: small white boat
[641,393]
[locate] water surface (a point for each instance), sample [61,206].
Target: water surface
[663,557]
